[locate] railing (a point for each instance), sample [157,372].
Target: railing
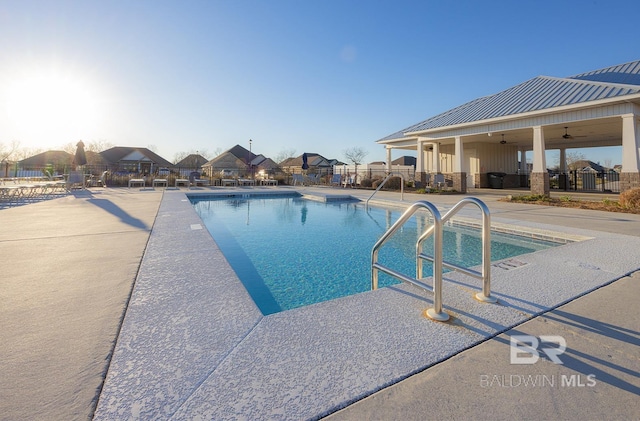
[391,174]
[436,231]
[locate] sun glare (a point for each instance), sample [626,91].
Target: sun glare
[47,106]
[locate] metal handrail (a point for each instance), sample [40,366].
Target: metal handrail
[391,174]
[485,275]
[436,312]
[436,230]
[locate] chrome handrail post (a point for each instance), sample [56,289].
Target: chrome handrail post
[374,270]
[436,312]
[485,295]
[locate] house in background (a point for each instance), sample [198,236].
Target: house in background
[193,161]
[59,161]
[264,167]
[234,162]
[133,160]
[317,163]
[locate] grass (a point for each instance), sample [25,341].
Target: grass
[607,205]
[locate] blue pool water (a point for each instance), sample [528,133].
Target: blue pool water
[291,252]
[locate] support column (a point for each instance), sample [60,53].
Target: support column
[389,160]
[421,174]
[563,178]
[523,161]
[459,175]
[539,175]
[436,158]
[630,175]
[523,169]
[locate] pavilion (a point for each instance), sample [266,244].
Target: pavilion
[493,133]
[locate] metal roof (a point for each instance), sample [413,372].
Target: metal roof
[536,94]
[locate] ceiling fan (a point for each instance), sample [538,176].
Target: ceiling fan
[566,135]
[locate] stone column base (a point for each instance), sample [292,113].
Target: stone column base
[540,183]
[629,180]
[421,179]
[460,182]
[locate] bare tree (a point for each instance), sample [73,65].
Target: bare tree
[99,145]
[179,156]
[284,154]
[573,160]
[356,155]
[7,151]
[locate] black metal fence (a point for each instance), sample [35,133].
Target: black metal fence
[587,181]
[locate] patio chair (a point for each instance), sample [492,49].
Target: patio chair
[313,179]
[161,181]
[298,178]
[438,181]
[336,179]
[349,180]
[75,180]
[98,182]
[195,180]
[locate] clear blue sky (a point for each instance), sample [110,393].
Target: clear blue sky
[306,75]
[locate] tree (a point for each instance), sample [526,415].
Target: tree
[356,155]
[99,145]
[284,154]
[573,160]
[7,151]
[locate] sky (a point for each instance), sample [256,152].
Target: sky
[293,76]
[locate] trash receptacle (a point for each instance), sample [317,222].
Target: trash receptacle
[496,180]
[563,182]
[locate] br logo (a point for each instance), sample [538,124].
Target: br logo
[525,349]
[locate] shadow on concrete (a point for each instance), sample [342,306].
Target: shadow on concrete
[115,210]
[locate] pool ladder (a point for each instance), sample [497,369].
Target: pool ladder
[435,230]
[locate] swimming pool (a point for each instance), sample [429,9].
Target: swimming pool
[290,251]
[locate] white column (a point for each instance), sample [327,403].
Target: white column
[524,168]
[388,158]
[420,155]
[630,144]
[458,158]
[436,158]
[539,159]
[563,160]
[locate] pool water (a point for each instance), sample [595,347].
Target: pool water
[291,252]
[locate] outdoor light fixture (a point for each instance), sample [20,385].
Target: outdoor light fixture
[502,142]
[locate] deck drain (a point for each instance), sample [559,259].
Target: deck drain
[196,226]
[509,264]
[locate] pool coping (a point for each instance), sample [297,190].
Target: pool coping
[202,349]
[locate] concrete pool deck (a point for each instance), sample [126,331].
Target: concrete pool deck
[201,349]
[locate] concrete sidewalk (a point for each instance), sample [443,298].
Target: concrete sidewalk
[68,268]
[599,378]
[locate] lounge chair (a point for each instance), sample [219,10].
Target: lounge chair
[135,181]
[195,180]
[336,179]
[313,179]
[98,182]
[75,180]
[246,182]
[298,178]
[349,180]
[160,182]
